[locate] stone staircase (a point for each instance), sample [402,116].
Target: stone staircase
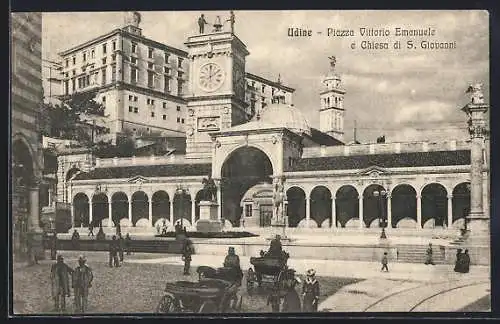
[417,254]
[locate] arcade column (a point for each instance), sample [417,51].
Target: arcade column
[35,234]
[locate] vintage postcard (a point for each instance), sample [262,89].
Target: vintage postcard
[246,162]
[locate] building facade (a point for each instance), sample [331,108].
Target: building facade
[26,143]
[255,158]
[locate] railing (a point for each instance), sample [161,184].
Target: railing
[146,160]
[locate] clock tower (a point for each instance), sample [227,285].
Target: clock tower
[216,97]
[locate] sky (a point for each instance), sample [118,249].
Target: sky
[405,94]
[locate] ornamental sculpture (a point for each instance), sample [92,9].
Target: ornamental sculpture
[476,93]
[209,189]
[278,198]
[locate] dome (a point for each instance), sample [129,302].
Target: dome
[283,115]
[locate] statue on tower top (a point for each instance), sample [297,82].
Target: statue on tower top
[476,93]
[133,18]
[231,20]
[333,61]
[201,24]
[217,24]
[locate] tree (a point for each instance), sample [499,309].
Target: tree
[66,120]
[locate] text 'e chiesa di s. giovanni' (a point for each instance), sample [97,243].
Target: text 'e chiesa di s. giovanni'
[243,131]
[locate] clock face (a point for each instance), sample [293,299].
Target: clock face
[211,77]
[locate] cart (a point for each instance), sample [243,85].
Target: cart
[266,269]
[215,292]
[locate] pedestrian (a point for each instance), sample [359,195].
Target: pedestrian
[458,261]
[158,228]
[428,255]
[310,292]
[291,299]
[465,262]
[53,246]
[113,253]
[59,277]
[91,230]
[82,281]
[118,228]
[187,251]
[384,263]
[121,246]
[164,228]
[128,242]
[75,240]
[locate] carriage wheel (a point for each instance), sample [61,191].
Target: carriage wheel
[167,304]
[208,307]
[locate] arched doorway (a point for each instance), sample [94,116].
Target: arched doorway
[100,208]
[321,205]
[22,177]
[182,206]
[296,198]
[346,205]
[434,204]
[81,210]
[161,206]
[243,169]
[119,207]
[140,206]
[403,203]
[461,201]
[374,207]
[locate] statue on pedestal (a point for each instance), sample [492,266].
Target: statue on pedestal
[278,196]
[209,189]
[476,91]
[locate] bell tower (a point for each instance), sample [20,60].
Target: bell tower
[332,110]
[216,97]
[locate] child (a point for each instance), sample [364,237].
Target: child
[384,262]
[310,292]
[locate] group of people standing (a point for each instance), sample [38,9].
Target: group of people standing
[462,264]
[117,248]
[81,282]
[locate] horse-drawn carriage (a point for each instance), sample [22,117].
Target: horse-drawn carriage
[215,292]
[267,268]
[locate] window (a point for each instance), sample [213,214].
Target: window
[114,45]
[151,79]
[166,80]
[104,61]
[74,60]
[164,105]
[150,52]
[133,60]
[135,98]
[130,97]
[178,119]
[152,114]
[179,88]
[66,75]
[103,99]
[164,117]
[130,109]
[133,75]
[167,56]
[73,84]
[182,120]
[263,88]
[66,62]
[113,57]
[248,210]
[104,48]
[104,76]
[178,108]
[84,56]
[134,48]
[136,110]
[180,74]
[166,70]
[113,73]
[272,91]
[179,63]
[152,101]
[66,87]
[87,80]
[151,66]
[92,53]
[74,72]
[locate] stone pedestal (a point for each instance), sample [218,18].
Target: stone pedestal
[209,219]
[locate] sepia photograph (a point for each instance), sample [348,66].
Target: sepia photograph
[249,162]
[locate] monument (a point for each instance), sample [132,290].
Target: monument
[209,220]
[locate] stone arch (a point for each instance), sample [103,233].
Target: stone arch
[461,201]
[434,204]
[374,207]
[264,150]
[243,168]
[182,206]
[119,207]
[23,166]
[160,205]
[321,205]
[21,140]
[296,210]
[346,204]
[403,203]
[140,206]
[81,210]
[100,208]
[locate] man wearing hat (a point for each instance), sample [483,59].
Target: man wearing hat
[310,292]
[232,260]
[59,277]
[82,281]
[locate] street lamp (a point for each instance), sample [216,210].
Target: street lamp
[381,195]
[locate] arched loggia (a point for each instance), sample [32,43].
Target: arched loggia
[140,206]
[434,204]
[100,208]
[119,207]
[81,210]
[403,203]
[161,206]
[346,205]
[296,209]
[461,201]
[321,205]
[374,206]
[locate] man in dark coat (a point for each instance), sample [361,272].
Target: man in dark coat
[75,240]
[428,255]
[82,281]
[121,246]
[291,299]
[91,230]
[201,23]
[232,260]
[310,292]
[128,242]
[275,248]
[187,251]
[458,262]
[113,252]
[59,277]
[465,262]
